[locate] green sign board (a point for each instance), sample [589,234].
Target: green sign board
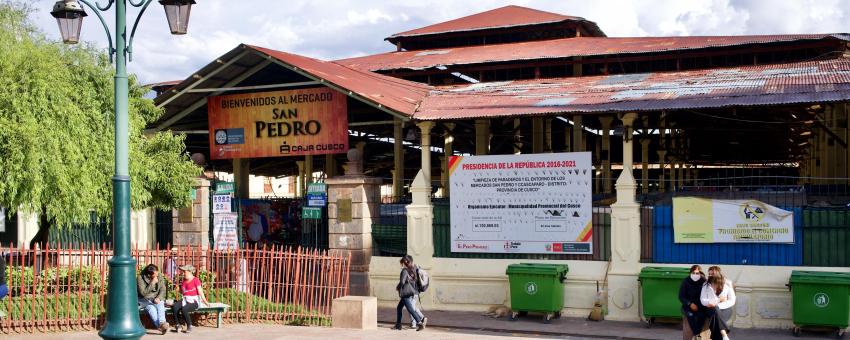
[311,213]
[225,187]
[317,188]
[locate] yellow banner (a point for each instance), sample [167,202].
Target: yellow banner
[279,123]
[702,220]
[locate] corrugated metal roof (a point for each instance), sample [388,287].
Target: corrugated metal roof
[561,48]
[508,16]
[803,82]
[397,94]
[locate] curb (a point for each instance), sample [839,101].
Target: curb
[515,331]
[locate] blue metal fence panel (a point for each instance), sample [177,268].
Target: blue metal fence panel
[766,254]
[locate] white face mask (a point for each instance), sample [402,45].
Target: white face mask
[695,277]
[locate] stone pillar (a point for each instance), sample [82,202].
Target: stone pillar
[353,205]
[191,225]
[644,161]
[398,159]
[537,136]
[242,177]
[482,138]
[425,143]
[606,152]
[448,151]
[625,238]
[420,230]
[578,134]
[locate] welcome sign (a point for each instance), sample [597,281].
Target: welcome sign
[702,220]
[279,123]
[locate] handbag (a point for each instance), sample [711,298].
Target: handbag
[407,290]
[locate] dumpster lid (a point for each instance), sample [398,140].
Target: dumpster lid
[804,276]
[538,268]
[664,272]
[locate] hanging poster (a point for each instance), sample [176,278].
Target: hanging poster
[311,121]
[703,220]
[225,231]
[536,203]
[221,203]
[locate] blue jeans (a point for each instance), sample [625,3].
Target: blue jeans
[410,304]
[155,310]
[4,290]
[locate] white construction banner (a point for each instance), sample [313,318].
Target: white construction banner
[703,220]
[225,229]
[534,204]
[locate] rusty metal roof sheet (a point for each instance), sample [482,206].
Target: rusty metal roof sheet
[399,95]
[508,16]
[561,48]
[779,84]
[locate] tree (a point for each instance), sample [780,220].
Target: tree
[56,131]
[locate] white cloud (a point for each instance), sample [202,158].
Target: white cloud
[329,29]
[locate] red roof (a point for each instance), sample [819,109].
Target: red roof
[397,94]
[779,84]
[508,16]
[560,48]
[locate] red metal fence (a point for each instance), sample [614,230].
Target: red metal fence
[64,289]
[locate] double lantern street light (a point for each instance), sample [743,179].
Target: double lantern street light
[122,313]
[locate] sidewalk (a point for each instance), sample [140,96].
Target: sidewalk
[275,332]
[534,326]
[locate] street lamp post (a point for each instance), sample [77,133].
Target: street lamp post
[122,313]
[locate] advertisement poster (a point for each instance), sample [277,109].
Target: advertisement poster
[703,220]
[279,123]
[221,204]
[271,221]
[537,203]
[225,231]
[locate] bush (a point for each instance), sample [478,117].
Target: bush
[239,302]
[46,307]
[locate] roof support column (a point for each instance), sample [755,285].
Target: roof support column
[241,175]
[425,127]
[673,164]
[537,135]
[517,136]
[308,170]
[606,153]
[482,137]
[578,134]
[682,161]
[299,191]
[330,166]
[398,159]
[662,154]
[448,141]
[644,160]
[548,147]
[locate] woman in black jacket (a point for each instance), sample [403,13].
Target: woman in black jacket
[689,296]
[408,290]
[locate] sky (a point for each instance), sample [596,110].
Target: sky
[328,30]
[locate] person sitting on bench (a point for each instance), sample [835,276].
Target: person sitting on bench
[152,296]
[193,295]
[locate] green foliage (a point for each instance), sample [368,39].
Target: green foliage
[44,307]
[239,301]
[22,280]
[57,128]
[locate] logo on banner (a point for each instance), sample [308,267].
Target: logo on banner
[512,246]
[753,211]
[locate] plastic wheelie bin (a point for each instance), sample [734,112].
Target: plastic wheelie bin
[821,300]
[537,288]
[659,290]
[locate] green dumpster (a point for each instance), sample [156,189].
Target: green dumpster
[820,299]
[659,289]
[537,287]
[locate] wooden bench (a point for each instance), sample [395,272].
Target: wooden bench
[213,307]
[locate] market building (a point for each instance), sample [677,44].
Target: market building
[722,117]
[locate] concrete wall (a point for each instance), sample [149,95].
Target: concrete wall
[476,284]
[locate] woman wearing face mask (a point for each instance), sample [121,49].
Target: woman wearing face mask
[726,298]
[689,295]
